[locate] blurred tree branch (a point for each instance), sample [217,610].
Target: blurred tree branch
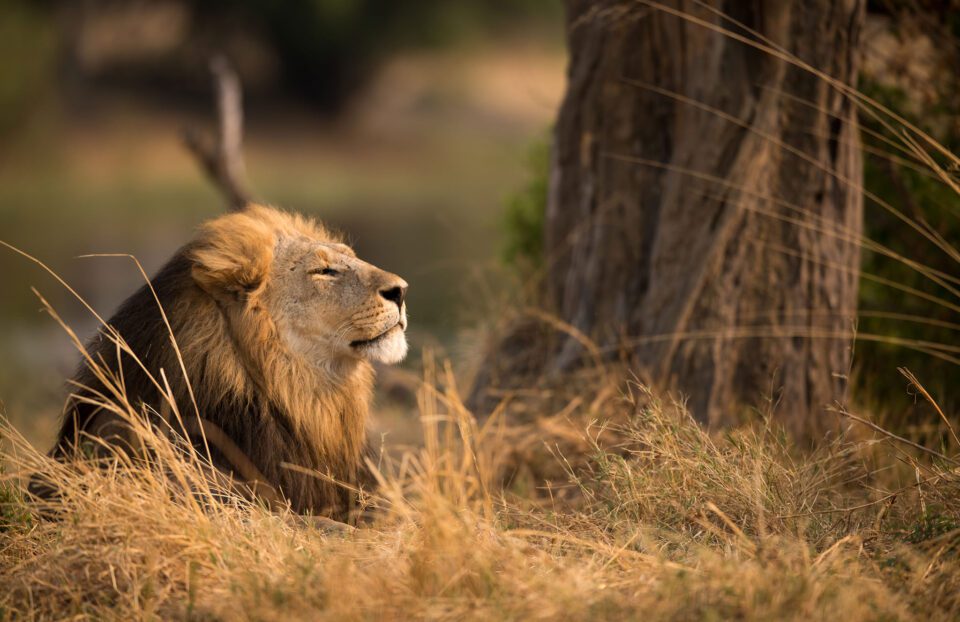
[222,157]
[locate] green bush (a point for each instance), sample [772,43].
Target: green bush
[525,209]
[921,196]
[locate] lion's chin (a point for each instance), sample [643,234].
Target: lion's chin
[389,349]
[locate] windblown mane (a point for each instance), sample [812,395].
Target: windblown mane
[277,408]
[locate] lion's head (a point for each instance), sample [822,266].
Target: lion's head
[326,305]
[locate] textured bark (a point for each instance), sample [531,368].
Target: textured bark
[674,230]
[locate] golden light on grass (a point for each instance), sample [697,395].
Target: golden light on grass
[658,519]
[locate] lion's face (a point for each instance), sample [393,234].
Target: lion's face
[327,301]
[267,267]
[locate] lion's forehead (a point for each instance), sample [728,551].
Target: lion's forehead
[325,249]
[297,250]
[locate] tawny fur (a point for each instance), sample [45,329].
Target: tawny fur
[226,308]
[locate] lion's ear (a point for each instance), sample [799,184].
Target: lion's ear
[232,255]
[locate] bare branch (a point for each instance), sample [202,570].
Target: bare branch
[222,158]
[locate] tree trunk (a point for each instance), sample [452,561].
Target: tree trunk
[705,202]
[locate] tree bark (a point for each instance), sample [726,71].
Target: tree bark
[705,202]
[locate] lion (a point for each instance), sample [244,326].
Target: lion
[277,323]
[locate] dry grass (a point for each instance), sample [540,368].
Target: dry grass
[594,500]
[658,519]
[586,499]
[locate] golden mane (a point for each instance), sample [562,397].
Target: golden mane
[276,407]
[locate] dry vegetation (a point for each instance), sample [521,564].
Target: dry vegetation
[645,514]
[590,499]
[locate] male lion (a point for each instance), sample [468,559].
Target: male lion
[277,323]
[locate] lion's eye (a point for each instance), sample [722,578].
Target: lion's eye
[325,272]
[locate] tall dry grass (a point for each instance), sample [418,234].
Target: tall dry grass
[659,520]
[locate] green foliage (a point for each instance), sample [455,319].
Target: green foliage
[525,209]
[929,527]
[922,197]
[14,515]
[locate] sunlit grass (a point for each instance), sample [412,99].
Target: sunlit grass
[591,498]
[658,519]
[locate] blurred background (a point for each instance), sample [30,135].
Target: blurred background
[421,128]
[407,125]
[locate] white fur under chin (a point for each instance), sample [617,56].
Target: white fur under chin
[392,348]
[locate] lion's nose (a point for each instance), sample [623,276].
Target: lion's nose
[395,294]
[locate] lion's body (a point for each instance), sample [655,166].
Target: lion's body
[278,406]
